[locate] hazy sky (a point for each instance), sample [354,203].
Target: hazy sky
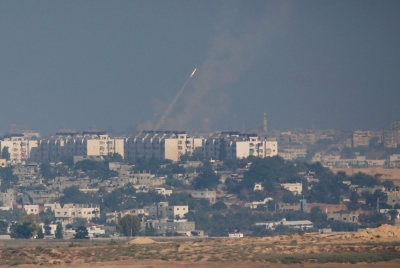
[114,64]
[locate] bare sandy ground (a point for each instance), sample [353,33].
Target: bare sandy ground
[245,252]
[172,264]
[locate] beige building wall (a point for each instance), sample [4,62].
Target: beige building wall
[171,150]
[242,149]
[119,147]
[93,147]
[32,209]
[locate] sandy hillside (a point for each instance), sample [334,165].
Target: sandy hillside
[312,250]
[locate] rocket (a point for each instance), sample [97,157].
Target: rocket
[195,69]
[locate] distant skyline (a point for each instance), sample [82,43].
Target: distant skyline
[119,64]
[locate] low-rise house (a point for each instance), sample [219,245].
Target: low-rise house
[43,196]
[116,216]
[386,211]
[295,188]
[349,217]
[255,204]
[235,235]
[95,231]
[31,209]
[393,199]
[211,196]
[163,226]
[303,224]
[162,191]
[258,187]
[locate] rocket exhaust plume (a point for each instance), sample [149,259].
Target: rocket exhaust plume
[171,105]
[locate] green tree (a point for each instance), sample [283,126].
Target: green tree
[81,233]
[3,227]
[40,234]
[34,222]
[207,177]
[59,231]
[393,214]
[22,230]
[46,170]
[219,206]
[47,228]
[5,153]
[114,157]
[67,160]
[129,225]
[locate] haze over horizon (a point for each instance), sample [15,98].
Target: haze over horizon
[116,64]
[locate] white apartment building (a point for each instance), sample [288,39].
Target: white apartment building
[255,147]
[161,144]
[19,147]
[238,146]
[69,212]
[72,144]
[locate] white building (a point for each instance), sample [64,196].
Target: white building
[19,147]
[303,225]
[255,204]
[162,191]
[89,144]
[69,212]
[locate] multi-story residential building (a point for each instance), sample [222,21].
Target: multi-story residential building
[391,138]
[162,210]
[360,138]
[236,145]
[19,147]
[8,198]
[71,144]
[161,144]
[69,212]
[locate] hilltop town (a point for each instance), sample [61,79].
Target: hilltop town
[223,184]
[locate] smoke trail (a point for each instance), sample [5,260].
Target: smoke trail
[171,105]
[241,40]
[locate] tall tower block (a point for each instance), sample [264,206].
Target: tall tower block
[265,123]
